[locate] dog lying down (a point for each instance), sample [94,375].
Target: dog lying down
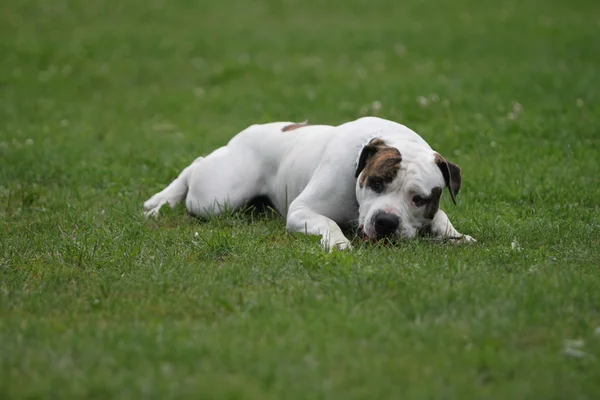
[371,172]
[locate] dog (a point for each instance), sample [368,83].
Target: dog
[371,173]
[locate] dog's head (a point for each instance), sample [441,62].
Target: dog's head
[400,195]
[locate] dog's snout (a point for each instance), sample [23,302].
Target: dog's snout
[386,224]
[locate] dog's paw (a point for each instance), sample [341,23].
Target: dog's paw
[468,239]
[153,213]
[462,239]
[152,207]
[330,244]
[345,245]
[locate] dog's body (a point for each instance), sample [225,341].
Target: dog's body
[321,178]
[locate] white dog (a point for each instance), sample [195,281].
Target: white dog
[372,173]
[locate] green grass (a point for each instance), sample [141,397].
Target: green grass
[103,103]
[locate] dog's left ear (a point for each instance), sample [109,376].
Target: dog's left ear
[367,152]
[452,175]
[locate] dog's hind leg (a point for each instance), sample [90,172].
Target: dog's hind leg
[173,194]
[225,180]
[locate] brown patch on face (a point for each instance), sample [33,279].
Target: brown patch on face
[380,163]
[433,204]
[293,127]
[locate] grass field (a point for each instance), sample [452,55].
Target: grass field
[103,103]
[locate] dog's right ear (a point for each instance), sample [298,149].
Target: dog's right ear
[367,152]
[452,175]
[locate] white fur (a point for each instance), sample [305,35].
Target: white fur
[309,176]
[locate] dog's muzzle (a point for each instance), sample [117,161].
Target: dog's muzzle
[386,224]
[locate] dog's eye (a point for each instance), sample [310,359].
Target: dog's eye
[418,200]
[377,185]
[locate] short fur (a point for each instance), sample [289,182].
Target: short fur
[315,181]
[378,160]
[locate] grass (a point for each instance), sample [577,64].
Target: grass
[103,103]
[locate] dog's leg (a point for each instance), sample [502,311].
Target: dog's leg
[304,220]
[225,180]
[172,194]
[442,228]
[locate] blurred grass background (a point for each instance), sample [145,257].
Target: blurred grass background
[103,103]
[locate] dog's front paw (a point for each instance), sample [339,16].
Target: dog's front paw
[330,243]
[345,245]
[462,239]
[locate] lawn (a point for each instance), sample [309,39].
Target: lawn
[103,102]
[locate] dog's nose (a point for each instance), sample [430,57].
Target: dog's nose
[386,224]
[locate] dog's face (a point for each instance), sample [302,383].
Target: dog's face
[399,196]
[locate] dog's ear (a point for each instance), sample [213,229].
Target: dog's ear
[452,175]
[367,152]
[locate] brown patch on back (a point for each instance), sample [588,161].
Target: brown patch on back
[293,127]
[382,163]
